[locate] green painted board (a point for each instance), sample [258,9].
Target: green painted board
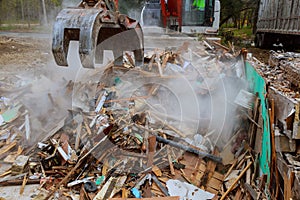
[258,85]
[10,114]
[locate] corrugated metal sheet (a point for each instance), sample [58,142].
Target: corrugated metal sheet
[279,16]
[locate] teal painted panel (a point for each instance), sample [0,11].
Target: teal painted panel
[258,85]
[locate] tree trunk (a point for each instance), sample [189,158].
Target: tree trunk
[249,18]
[44,13]
[225,20]
[22,10]
[255,17]
[28,14]
[244,19]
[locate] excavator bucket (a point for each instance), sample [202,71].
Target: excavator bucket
[97,29]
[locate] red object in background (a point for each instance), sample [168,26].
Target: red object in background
[171,10]
[117,4]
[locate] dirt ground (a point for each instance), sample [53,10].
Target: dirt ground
[23,53]
[260,54]
[30,53]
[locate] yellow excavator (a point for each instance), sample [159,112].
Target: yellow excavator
[98,26]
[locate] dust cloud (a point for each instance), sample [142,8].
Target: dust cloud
[48,97]
[197,100]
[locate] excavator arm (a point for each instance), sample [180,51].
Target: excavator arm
[98,26]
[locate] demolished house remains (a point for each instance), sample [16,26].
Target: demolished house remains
[198,121]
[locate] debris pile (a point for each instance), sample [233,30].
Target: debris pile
[282,78]
[137,132]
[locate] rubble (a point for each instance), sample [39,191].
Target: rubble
[115,146]
[282,81]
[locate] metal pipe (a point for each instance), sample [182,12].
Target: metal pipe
[189,149]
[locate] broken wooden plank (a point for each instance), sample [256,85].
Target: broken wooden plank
[210,169]
[27,127]
[165,60]
[253,127]
[286,111]
[7,148]
[238,194]
[195,171]
[129,58]
[236,180]
[100,101]
[156,191]
[170,162]
[231,168]
[157,61]
[250,190]
[208,45]
[274,170]
[124,193]
[75,168]
[156,171]
[262,182]
[231,178]
[214,183]
[219,176]
[161,187]
[151,150]
[288,185]
[5,173]
[78,136]
[25,179]
[212,190]
[19,182]
[151,62]
[87,127]
[256,167]
[284,143]
[110,188]
[50,133]
[248,174]
[220,45]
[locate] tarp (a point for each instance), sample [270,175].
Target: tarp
[258,85]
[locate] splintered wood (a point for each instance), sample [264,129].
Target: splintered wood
[202,174]
[282,76]
[124,137]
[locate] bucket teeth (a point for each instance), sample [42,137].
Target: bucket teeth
[76,24]
[95,34]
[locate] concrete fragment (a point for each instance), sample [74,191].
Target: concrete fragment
[19,164]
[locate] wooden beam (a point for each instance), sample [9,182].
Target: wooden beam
[274,170]
[236,180]
[253,127]
[288,185]
[250,190]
